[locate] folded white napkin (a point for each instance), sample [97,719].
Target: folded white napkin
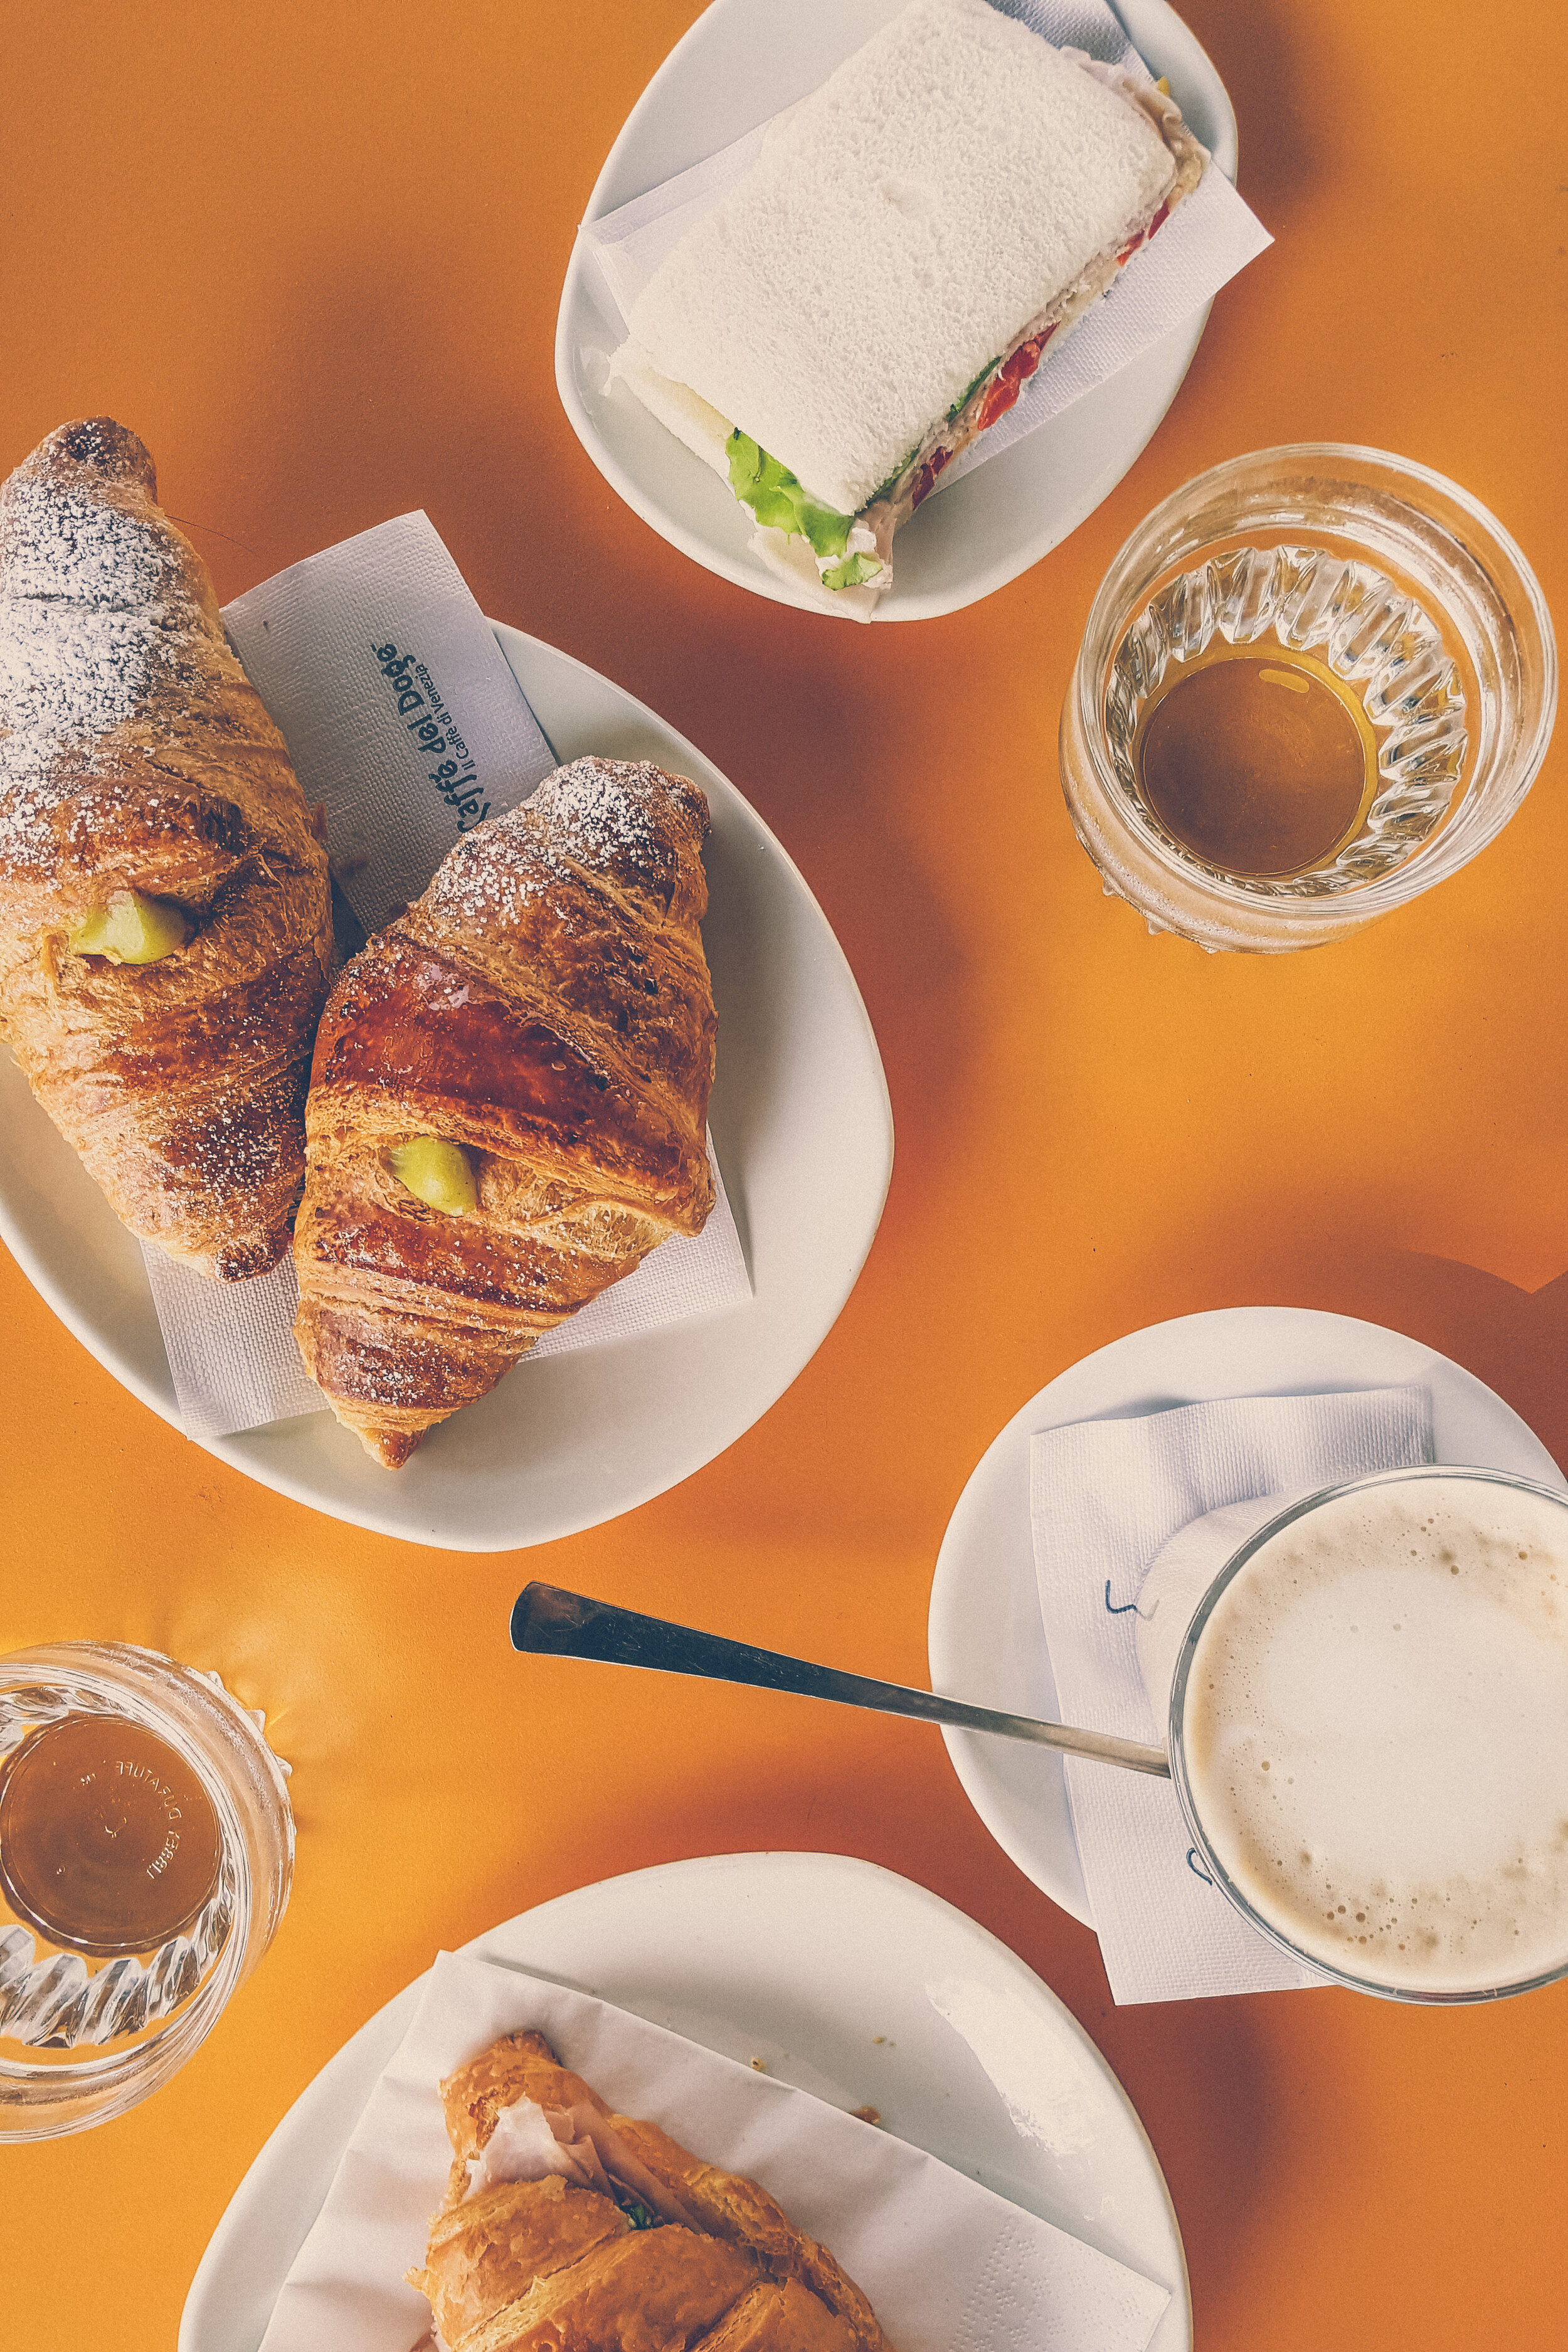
[396,703]
[402,716]
[1204,243]
[1105,1497]
[947,2266]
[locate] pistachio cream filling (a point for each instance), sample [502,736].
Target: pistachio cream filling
[132,928]
[440,1174]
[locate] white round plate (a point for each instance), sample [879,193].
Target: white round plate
[987,1641]
[804,1131]
[742,62]
[801,1959]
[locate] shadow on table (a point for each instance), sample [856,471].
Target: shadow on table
[1515,1340]
[1279,107]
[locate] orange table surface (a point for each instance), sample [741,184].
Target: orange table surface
[312,254]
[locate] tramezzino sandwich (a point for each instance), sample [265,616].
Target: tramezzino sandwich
[878,287]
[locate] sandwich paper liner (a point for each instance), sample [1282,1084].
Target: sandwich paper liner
[404,770]
[949,2266]
[1206,240]
[1105,1497]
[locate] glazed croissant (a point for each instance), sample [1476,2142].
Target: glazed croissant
[509,1100]
[165,919]
[631,2240]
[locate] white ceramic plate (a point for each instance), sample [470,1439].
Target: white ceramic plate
[742,62]
[800,1960]
[987,1641]
[803,1127]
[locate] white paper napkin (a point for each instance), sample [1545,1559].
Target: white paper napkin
[1105,1497]
[1204,243]
[396,703]
[949,2266]
[402,716]
[230,1346]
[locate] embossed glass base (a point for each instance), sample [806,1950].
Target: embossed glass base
[1368,634]
[1395,580]
[94,2015]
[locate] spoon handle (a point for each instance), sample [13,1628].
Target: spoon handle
[567,1625]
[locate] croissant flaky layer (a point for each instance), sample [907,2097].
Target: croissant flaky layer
[137,765]
[545,1008]
[664,2252]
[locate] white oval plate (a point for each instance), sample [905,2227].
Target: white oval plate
[742,62]
[800,1960]
[987,1640]
[804,1131]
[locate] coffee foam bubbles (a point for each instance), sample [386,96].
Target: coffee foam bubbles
[1376,1734]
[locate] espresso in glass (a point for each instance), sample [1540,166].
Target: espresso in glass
[108,1842]
[1260,764]
[1369,1733]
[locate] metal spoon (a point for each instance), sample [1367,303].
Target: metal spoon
[567,1625]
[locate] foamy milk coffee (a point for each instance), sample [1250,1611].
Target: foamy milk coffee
[1375,1733]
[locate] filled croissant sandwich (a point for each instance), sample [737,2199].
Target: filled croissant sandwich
[879,285]
[567,2225]
[165,922]
[509,1098]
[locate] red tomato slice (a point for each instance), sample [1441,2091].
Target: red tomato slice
[1012,375]
[1132,247]
[927,474]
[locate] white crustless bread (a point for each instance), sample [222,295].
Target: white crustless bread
[900,229]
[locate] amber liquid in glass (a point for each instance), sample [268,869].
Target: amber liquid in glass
[108,1842]
[1261,761]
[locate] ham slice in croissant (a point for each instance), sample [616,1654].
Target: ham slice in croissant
[509,1098]
[165,919]
[568,2225]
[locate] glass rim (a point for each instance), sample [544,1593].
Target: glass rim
[1176,1751]
[1531,616]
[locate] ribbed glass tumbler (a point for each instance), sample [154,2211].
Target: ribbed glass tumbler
[146,1855]
[1394,588]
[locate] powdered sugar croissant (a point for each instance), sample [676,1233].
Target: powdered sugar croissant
[165,921]
[509,1098]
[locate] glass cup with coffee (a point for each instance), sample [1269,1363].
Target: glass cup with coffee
[146,1855]
[1314,682]
[1367,1712]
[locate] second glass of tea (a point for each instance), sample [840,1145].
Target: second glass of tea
[1314,682]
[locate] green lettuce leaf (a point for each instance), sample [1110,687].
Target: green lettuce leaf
[853,572]
[778,501]
[900,470]
[967,395]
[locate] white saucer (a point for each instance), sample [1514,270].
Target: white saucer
[987,1642]
[804,1131]
[742,62]
[801,1960]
